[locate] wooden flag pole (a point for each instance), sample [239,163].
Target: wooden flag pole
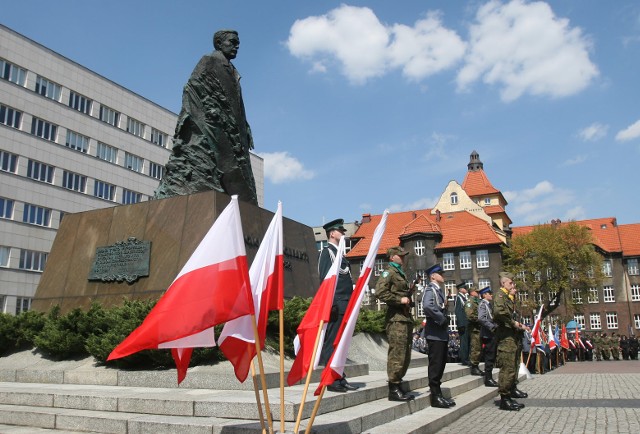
[306,385]
[281,315]
[255,389]
[315,411]
[529,356]
[265,392]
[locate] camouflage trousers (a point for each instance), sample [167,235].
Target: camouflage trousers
[399,337]
[604,352]
[475,343]
[508,363]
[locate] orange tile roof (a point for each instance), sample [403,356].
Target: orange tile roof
[493,209]
[476,183]
[630,237]
[458,229]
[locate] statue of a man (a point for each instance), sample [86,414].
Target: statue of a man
[212,138]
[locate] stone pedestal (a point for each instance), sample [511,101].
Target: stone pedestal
[174,226]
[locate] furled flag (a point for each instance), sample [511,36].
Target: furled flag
[213,287]
[335,367]
[237,340]
[319,310]
[556,335]
[564,339]
[552,341]
[578,339]
[535,333]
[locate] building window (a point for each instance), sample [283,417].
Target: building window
[378,268]
[522,295]
[487,201]
[10,117]
[521,275]
[450,288]
[109,116]
[104,190]
[48,88]
[482,258]
[8,162]
[419,247]
[606,268]
[539,297]
[5,254]
[6,208]
[106,152]
[448,261]
[454,198]
[612,320]
[632,267]
[483,283]
[43,129]
[635,292]
[322,244]
[552,296]
[40,171]
[157,171]
[579,318]
[133,162]
[593,295]
[636,320]
[135,127]
[465,260]
[23,304]
[453,322]
[576,296]
[36,215]
[80,103]
[13,73]
[33,261]
[158,138]
[74,181]
[77,141]
[609,296]
[129,197]
[595,322]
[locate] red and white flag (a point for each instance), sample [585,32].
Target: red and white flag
[564,339]
[335,368]
[213,287]
[319,310]
[552,341]
[237,340]
[535,333]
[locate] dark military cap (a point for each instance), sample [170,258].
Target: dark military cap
[461,285]
[434,269]
[397,250]
[506,274]
[337,224]
[485,290]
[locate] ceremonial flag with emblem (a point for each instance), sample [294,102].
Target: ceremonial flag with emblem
[237,340]
[335,367]
[213,287]
[564,339]
[535,333]
[552,341]
[307,332]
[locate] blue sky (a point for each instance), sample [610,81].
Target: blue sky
[360,106]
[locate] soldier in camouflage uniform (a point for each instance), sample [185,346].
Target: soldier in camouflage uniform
[604,350]
[473,328]
[507,335]
[597,344]
[615,346]
[393,289]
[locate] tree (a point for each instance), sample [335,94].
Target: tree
[551,262]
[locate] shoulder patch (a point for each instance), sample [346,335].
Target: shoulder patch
[468,304]
[385,273]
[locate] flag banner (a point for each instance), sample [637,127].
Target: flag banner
[535,333]
[319,310]
[237,341]
[213,287]
[335,367]
[564,339]
[552,342]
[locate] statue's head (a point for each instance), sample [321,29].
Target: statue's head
[226,41]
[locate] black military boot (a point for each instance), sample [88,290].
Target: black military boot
[507,404]
[396,394]
[476,371]
[438,401]
[488,379]
[517,393]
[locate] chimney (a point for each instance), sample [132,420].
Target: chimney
[366,218]
[438,215]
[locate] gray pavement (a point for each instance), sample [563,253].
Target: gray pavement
[580,397]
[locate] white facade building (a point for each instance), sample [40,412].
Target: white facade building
[70,141]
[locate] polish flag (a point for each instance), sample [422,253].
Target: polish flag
[237,340]
[335,368]
[213,287]
[564,339]
[552,341]
[535,333]
[319,310]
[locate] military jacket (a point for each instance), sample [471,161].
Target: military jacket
[434,303]
[344,287]
[485,318]
[471,310]
[461,316]
[390,288]
[503,312]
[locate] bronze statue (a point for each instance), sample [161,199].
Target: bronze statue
[212,138]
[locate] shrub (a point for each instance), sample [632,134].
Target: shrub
[8,335]
[370,321]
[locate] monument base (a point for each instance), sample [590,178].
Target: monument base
[174,227]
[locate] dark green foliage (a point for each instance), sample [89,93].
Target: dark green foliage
[64,336]
[294,311]
[371,321]
[29,324]
[8,333]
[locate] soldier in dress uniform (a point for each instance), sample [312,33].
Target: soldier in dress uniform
[473,326]
[462,323]
[344,288]
[487,334]
[393,289]
[434,303]
[633,347]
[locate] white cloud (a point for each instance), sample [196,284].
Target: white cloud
[280,167]
[364,48]
[593,132]
[578,159]
[524,48]
[422,203]
[542,203]
[629,133]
